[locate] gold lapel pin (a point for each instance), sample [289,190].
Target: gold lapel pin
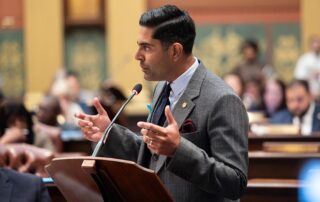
[184,105]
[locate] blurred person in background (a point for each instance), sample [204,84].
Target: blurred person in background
[235,82]
[249,68]
[308,67]
[252,96]
[77,94]
[22,187]
[274,98]
[61,89]
[16,125]
[112,98]
[302,109]
[46,120]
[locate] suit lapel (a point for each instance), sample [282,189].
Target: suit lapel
[5,187]
[185,104]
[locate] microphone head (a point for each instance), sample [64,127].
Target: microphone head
[137,88]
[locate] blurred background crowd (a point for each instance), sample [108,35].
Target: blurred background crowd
[56,56]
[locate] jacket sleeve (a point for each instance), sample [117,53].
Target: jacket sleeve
[222,170]
[121,143]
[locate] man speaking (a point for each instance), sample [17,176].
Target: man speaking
[195,139]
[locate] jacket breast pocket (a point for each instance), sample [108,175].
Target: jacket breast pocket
[191,136]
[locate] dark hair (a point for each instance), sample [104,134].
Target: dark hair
[299,82]
[242,83]
[70,73]
[170,25]
[11,110]
[282,85]
[1,96]
[250,43]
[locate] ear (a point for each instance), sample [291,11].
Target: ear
[177,51]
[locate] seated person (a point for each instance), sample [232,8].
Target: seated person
[16,125]
[46,122]
[112,99]
[302,110]
[235,82]
[274,98]
[62,91]
[252,96]
[21,187]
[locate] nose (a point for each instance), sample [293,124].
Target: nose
[138,55]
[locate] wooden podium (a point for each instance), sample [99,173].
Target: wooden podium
[82,179]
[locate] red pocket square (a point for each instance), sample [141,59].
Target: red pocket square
[188,126]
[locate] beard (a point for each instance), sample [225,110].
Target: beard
[300,115]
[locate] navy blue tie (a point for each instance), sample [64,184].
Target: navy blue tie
[158,114]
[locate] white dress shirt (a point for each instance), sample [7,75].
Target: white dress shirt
[306,121]
[308,68]
[179,85]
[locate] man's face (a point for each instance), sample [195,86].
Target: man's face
[249,54]
[315,46]
[298,100]
[154,58]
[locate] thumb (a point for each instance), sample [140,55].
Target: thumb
[99,107]
[169,115]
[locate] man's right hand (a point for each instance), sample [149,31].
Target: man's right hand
[92,126]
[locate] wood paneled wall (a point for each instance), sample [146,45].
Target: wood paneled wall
[237,11]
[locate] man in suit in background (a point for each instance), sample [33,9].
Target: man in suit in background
[301,108]
[21,187]
[197,144]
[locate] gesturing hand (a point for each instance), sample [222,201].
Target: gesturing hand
[14,135]
[92,126]
[161,140]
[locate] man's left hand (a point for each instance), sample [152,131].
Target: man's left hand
[161,140]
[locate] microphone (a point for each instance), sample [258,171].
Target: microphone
[135,91]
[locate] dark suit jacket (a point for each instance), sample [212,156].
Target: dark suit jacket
[285,117]
[210,163]
[21,187]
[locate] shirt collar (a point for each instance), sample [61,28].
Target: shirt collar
[182,81]
[310,111]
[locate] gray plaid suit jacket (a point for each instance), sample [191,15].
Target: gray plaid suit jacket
[210,163]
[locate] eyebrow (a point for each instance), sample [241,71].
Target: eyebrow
[144,44]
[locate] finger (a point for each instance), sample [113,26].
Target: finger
[81,115]
[30,160]
[144,131]
[153,147]
[91,131]
[149,141]
[169,115]
[99,107]
[145,139]
[14,158]
[84,123]
[156,130]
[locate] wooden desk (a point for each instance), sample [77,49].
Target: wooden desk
[277,165]
[275,190]
[256,142]
[55,193]
[261,190]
